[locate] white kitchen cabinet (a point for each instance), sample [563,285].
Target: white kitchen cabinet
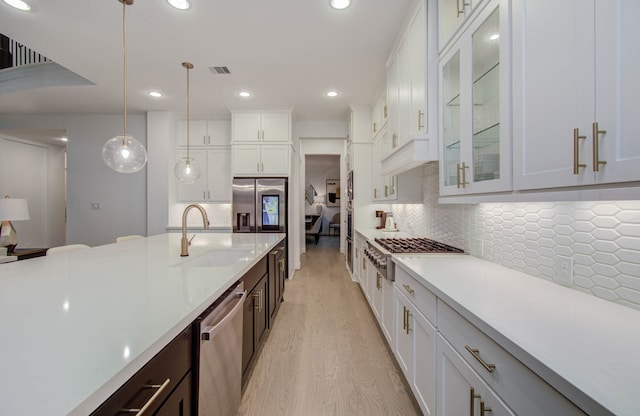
[451,16]
[590,77]
[267,126]
[461,391]
[379,115]
[476,116]
[383,186]
[375,288]
[412,76]
[388,320]
[365,277]
[260,160]
[415,350]
[358,256]
[204,132]
[214,184]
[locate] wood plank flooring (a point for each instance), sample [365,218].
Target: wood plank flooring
[325,354]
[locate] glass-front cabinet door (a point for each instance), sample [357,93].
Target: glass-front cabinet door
[476,128]
[450,76]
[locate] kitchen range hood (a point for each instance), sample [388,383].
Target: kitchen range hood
[413,153]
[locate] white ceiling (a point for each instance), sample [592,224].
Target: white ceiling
[286,52]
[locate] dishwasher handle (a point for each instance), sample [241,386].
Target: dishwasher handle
[209,332]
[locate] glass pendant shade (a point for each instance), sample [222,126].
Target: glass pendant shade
[124,154]
[187,170]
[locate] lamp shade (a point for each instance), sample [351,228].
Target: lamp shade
[13,209]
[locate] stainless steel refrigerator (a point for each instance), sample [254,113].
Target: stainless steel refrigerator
[259,205]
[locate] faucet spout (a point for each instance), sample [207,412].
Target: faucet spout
[184,242]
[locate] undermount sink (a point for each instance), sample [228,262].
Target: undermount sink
[215,258]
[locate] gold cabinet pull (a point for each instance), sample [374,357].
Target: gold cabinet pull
[256,300]
[483,408]
[375,193]
[356,253]
[394,140]
[408,320]
[472,398]
[364,264]
[596,148]
[404,312]
[576,158]
[160,388]
[261,167]
[475,352]
[409,289]
[461,175]
[375,127]
[420,120]
[386,190]
[464,6]
[384,111]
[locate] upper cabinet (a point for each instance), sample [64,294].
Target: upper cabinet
[576,92]
[214,184]
[475,126]
[412,82]
[379,115]
[204,132]
[451,16]
[266,126]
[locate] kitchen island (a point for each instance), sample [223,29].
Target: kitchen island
[76,326]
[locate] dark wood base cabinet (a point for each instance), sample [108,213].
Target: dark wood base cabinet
[163,385]
[256,317]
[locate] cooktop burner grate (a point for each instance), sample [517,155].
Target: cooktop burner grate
[415,245]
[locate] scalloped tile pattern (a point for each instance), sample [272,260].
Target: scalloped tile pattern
[603,238]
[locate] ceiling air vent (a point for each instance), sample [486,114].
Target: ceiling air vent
[219,70]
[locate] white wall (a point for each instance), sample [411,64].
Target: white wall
[123,196]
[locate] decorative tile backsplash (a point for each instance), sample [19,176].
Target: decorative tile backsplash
[602,238]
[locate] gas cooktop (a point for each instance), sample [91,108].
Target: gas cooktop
[415,245]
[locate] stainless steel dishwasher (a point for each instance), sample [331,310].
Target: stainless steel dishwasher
[219,379]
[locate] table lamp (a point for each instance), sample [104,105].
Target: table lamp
[11,209]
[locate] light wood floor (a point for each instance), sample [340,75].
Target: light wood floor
[325,354]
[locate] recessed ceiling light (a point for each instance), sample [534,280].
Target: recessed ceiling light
[332,94]
[155,94]
[180,4]
[494,36]
[18,4]
[340,4]
[244,94]
[63,139]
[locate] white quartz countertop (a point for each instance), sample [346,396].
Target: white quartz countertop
[586,347]
[77,325]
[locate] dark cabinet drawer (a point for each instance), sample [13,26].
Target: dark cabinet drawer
[179,402]
[159,377]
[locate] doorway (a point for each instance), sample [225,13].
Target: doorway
[323,201]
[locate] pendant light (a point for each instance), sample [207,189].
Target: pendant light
[187,170]
[124,153]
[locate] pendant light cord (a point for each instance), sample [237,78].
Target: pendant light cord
[124,69]
[188,157]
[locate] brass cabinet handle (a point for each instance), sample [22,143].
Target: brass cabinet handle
[258,167]
[408,320]
[364,264]
[420,120]
[375,193]
[596,147]
[208,194]
[143,409]
[384,111]
[404,317]
[258,134]
[386,190]
[464,6]
[394,140]
[204,195]
[576,158]
[409,289]
[483,408]
[356,253]
[472,397]
[461,175]
[261,167]
[256,296]
[375,127]
[475,352]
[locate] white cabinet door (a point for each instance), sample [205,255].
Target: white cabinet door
[219,175]
[617,90]
[452,14]
[197,191]
[418,71]
[376,293]
[552,99]
[246,159]
[246,127]
[461,391]
[404,337]
[275,127]
[476,118]
[404,92]
[365,277]
[388,320]
[424,372]
[274,159]
[218,132]
[393,100]
[197,132]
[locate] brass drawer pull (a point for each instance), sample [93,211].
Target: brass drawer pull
[596,148]
[476,355]
[143,409]
[576,158]
[409,289]
[483,408]
[472,397]
[420,120]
